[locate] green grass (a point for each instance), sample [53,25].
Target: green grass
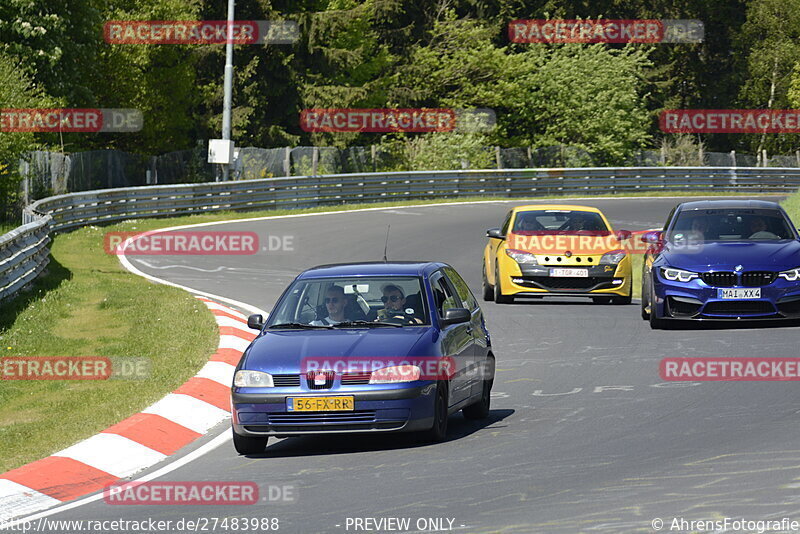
[88,305]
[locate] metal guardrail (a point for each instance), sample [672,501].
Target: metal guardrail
[24,254]
[92,207]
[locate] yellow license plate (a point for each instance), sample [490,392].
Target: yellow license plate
[320,404]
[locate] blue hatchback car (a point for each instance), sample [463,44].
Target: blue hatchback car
[722,260]
[367,347]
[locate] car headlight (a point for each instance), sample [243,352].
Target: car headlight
[522,257]
[677,274]
[395,374]
[252,379]
[792,275]
[612,258]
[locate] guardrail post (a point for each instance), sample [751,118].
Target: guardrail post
[497,157]
[287,162]
[733,158]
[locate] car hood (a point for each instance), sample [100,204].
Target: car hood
[752,256]
[282,352]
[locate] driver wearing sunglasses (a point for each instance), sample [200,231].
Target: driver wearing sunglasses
[334,303]
[394,302]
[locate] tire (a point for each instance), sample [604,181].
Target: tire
[438,432]
[249,445]
[488,290]
[498,291]
[656,323]
[622,301]
[645,299]
[480,410]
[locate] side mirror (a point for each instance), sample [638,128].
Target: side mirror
[256,322]
[495,233]
[624,235]
[456,316]
[653,237]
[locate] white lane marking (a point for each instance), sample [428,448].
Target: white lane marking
[233,342]
[18,500]
[234,323]
[222,438]
[187,411]
[218,307]
[218,372]
[113,454]
[162,267]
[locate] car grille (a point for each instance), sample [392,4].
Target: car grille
[286,380]
[748,278]
[720,279]
[789,306]
[682,307]
[558,283]
[739,307]
[758,278]
[325,421]
[359,416]
[355,379]
[311,376]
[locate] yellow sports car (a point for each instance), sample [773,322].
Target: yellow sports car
[556,250]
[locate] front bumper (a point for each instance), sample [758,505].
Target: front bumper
[385,409]
[602,280]
[697,300]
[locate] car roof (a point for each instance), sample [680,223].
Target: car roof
[727,204]
[372,268]
[571,207]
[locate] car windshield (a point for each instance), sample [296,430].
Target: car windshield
[559,221]
[331,302]
[730,225]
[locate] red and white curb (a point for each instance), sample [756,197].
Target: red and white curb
[139,441]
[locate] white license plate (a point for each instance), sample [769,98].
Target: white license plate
[571,273]
[738,293]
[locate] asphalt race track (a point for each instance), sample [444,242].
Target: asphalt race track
[583,436]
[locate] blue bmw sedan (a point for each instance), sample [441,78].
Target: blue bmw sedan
[367,347]
[722,260]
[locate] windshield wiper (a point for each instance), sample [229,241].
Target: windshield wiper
[299,325]
[367,323]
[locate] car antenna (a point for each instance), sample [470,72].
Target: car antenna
[386,246]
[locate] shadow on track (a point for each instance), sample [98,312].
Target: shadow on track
[316,445]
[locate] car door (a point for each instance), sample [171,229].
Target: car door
[480,349]
[493,247]
[457,340]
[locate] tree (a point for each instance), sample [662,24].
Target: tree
[771,37]
[17,90]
